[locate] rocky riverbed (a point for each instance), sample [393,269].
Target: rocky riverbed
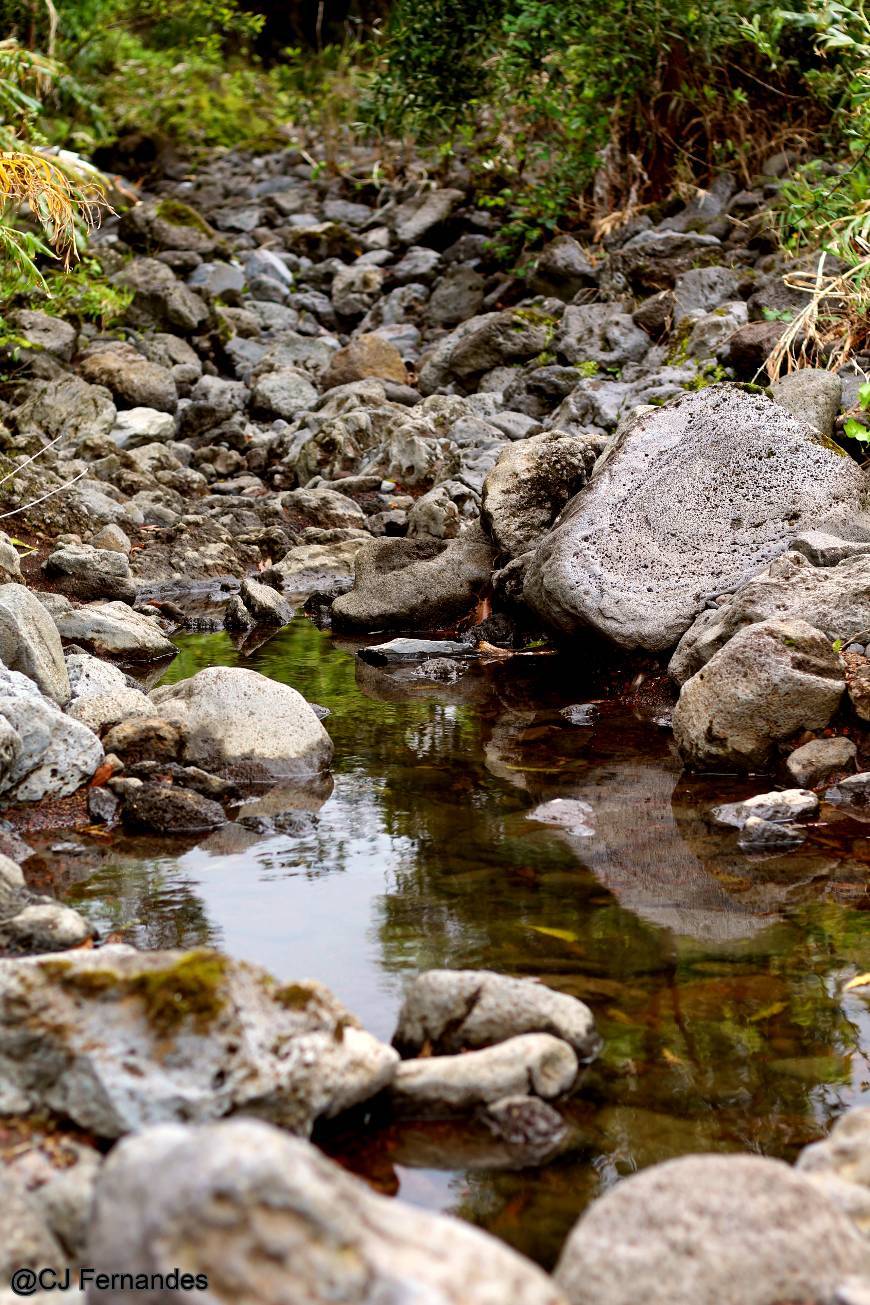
[526,505]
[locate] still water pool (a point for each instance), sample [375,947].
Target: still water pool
[716,979]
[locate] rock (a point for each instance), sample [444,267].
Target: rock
[747,349]
[529,485]
[113,628]
[443,1085]
[218,281]
[103,805]
[701,289]
[59,1171]
[434,514]
[652,260]
[265,604]
[132,380]
[159,299]
[355,287]
[710,1230]
[86,572]
[420,216]
[526,1122]
[366,355]
[858,683]
[495,339]
[457,296]
[167,224]
[114,539]
[27,1240]
[563,269]
[323,507]
[245,1204]
[118,1039]
[146,738]
[66,407]
[812,396]
[452,1010]
[689,500]
[852,792]
[33,923]
[101,695]
[418,583]
[165,809]
[759,835]
[43,753]
[311,568]
[283,393]
[770,681]
[785,804]
[141,426]
[10,563]
[30,643]
[839,1165]
[600,333]
[834,599]
[572,814]
[818,760]
[403,651]
[238,721]
[45,332]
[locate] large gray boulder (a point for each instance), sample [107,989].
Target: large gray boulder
[711,1230]
[531,482]
[771,681]
[688,501]
[117,1039]
[67,406]
[101,694]
[240,722]
[30,643]
[249,1206]
[420,583]
[453,1010]
[112,628]
[43,753]
[834,599]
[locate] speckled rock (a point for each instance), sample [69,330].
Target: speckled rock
[533,1063]
[30,643]
[529,485]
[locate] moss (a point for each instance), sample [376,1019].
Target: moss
[191,989]
[293,996]
[587,369]
[87,983]
[182,215]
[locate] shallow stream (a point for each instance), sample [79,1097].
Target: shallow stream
[716,979]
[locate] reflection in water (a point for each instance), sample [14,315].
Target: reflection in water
[716,979]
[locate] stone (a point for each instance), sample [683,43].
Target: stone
[30,643]
[113,628]
[43,753]
[113,538]
[145,738]
[418,583]
[355,287]
[30,922]
[238,721]
[83,571]
[772,680]
[219,280]
[710,1230]
[457,295]
[10,562]
[815,762]
[141,426]
[834,599]
[311,568]
[165,223]
[839,1166]
[165,809]
[571,814]
[532,1063]
[757,835]
[117,1039]
[283,393]
[530,484]
[404,651]
[247,1205]
[702,288]
[367,355]
[68,407]
[652,260]
[747,349]
[434,514]
[812,396]
[496,339]
[159,299]
[858,683]
[563,269]
[101,695]
[28,1242]
[785,804]
[454,1010]
[326,508]
[852,793]
[264,603]
[132,380]
[600,333]
[45,333]
[526,1122]
[420,216]
[689,500]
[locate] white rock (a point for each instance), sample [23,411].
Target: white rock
[532,1063]
[30,643]
[788,804]
[101,694]
[42,752]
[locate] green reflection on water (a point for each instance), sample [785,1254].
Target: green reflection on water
[716,981]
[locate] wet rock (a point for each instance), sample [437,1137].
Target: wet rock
[812,396]
[452,1010]
[770,681]
[530,484]
[525,1121]
[30,922]
[103,805]
[30,643]
[571,814]
[563,269]
[786,804]
[853,793]
[705,490]
[238,721]
[202,1035]
[146,738]
[112,628]
[422,215]
[265,604]
[403,651]
[367,355]
[132,380]
[165,809]
[86,572]
[759,835]
[533,1063]
[310,568]
[43,753]
[283,393]
[66,407]
[834,599]
[421,583]
[246,1204]
[101,695]
[45,333]
[814,762]
[710,1230]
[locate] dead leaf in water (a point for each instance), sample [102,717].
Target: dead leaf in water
[564,935]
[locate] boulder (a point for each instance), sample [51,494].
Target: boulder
[710,1230]
[366,355]
[245,1204]
[812,396]
[532,1063]
[563,269]
[421,583]
[43,753]
[418,217]
[159,299]
[839,1166]
[45,333]
[83,571]
[167,809]
[815,762]
[167,223]
[67,407]
[101,694]
[453,1010]
[600,333]
[28,1242]
[283,393]
[240,722]
[133,381]
[30,922]
[146,738]
[688,501]
[771,681]
[30,643]
[264,603]
[311,568]
[457,295]
[117,1039]
[531,482]
[834,599]
[326,508]
[112,628]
